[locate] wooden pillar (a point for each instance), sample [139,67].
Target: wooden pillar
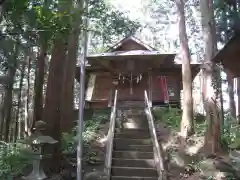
[112,92]
[150,87]
[110,98]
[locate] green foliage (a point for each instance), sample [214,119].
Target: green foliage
[12,160]
[200,128]
[170,116]
[69,142]
[91,127]
[231,136]
[108,25]
[173,116]
[231,132]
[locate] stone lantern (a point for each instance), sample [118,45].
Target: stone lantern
[35,151]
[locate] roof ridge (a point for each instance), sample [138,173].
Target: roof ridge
[134,38]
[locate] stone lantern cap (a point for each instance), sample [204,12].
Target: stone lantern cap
[37,138]
[40,125]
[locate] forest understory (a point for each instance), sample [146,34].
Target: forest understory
[188,161]
[44,43]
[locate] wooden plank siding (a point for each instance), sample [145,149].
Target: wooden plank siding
[103,86]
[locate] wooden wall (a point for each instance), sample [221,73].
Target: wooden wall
[104,87]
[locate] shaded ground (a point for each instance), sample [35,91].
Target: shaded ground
[183,162]
[94,155]
[178,158]
[189,162]
[95,131]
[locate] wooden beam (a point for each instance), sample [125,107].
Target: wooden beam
[150,86]
[107,65]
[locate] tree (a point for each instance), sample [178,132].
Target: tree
[223,26]
[187,116]
[213,133]
[38,84]
[53,27]
[69,71]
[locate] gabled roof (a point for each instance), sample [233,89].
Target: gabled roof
[229,56]
[126,53]
[134,40]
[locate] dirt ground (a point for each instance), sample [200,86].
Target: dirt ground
[182,162]
[190,162]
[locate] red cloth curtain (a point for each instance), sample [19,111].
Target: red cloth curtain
[163,87]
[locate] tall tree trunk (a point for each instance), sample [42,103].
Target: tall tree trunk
[238,99]
[187,116]
[38,84]
[212,136]
[237,32]
[27,112]
[67,111]
[17,133]
[8,103]
[7,106]
[236,25]
[2,4]
[51,114]
[232,105]
[1,112]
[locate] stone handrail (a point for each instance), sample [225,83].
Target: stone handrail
[157,150]
[110,136]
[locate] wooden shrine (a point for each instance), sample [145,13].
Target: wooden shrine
[229,55]
[133,67]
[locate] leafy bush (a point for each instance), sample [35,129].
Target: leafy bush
[173,116]
[200,128]
[231,132]
[170,116]
[91,127]
[12,160]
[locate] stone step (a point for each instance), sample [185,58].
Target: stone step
[133,178]
[125,142]
[144,131]
[134,119]
[132,155]
[131,113]
[141,148]
[130,135]
[133,131]
[147,163]
[131,109]
[134,112]
[132,103]
[135,125]
[140,172]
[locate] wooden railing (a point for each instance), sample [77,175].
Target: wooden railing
[110,136]
[157,149]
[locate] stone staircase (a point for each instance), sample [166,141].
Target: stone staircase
[132,157]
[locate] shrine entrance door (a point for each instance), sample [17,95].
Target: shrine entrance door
[132,89]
